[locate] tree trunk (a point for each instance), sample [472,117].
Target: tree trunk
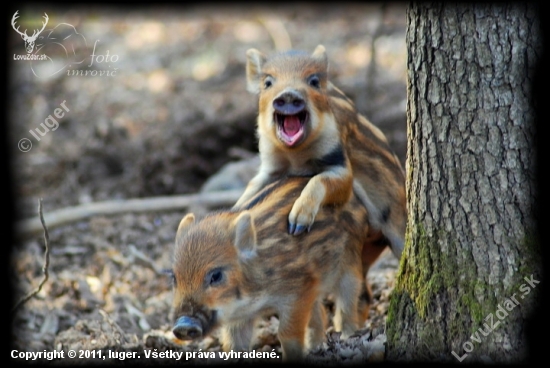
[468,277]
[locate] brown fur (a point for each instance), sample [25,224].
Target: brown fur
[265,270]
[340,149]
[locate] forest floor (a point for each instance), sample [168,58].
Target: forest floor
[169,111]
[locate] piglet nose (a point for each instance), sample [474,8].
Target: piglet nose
[289,103]
[187,328]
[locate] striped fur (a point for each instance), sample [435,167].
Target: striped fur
[232,267]
[338,148]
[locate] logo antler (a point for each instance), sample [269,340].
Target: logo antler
[29,40]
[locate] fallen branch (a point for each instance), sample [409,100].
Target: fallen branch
[46,261]
[31,227]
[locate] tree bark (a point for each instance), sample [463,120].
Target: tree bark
[471,244]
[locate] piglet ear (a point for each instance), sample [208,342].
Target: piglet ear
[254,62]
[245,236]
[184,226]
[321,55]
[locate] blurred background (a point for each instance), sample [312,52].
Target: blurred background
[171,106]
[140,102]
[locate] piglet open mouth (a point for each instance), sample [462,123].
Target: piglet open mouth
[291,128]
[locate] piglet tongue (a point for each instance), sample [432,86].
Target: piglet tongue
[291,125]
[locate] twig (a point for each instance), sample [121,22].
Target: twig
[30,227]
[46,261]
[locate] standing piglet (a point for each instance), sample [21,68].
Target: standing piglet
[308,127]
[233,267]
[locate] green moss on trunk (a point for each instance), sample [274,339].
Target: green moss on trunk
[442,298]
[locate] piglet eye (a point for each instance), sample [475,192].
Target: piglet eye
[314,81]
[268,82]
[215,277]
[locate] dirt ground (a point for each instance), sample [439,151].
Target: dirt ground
[164,111]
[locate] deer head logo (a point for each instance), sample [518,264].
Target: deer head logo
[29,40]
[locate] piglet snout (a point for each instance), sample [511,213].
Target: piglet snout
[187,328]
